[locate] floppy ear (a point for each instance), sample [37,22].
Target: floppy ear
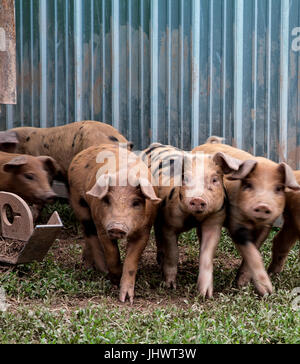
[244,170]
[101,187]
[215,140]
[227,163]
[289,177]
[14,165]
[148,190]
[50,165]
[8,141]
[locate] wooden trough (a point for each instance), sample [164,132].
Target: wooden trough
[18,227]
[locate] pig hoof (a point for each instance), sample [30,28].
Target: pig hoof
[263,286]
[274,269]
[242,280]
[171,284]
[127,291]
[170,274]
[205,291]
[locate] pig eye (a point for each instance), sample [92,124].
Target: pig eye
[247,185]
[29,176]
[279,189]
[136,203]
[106,200]
[215,180]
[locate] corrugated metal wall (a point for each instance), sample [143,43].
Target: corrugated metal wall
[174,71]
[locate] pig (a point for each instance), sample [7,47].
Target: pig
[187,204]
[290,232]
[62,142]
[111,211]
[28,176]
[257,198]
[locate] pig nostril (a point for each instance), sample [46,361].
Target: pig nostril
[117,233]
[263,210]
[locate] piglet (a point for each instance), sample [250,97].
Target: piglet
[256,194]
[60,142]
[27,176]
[112,196]
[193,195]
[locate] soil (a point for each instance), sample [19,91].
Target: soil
[149,280]
[9,248]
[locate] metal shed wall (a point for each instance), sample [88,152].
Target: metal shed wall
[174,71]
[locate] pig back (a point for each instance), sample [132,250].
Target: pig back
[227,149]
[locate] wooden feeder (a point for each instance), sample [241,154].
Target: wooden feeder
[36,240]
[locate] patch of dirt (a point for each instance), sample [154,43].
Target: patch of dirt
[150,290]
[63,250]
[10,249]
[226,261]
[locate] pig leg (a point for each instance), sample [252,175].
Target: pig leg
[112,256]
[135,248]
[282,245]
[253,261]
[244,275]
[92,252]
[209,237]
[167,247]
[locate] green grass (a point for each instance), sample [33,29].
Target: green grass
[57,301]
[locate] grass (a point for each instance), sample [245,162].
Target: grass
[57,301]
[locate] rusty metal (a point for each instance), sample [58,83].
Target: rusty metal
[8,93]
[37,240]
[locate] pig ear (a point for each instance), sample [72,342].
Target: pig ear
[148,190]
[101,187]
[14,164]
[290,179]
[244,170]
[215,140]
[227,163]
[50,165]
[8,141]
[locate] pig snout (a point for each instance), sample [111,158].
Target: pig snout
[117,231]
[198,204]
[49,196]
[262,211]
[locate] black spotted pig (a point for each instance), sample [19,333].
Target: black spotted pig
[256,199]
[62,142]
[110,211]
[28,176]
[187,204]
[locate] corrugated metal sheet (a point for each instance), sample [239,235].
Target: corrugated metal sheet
[174,71]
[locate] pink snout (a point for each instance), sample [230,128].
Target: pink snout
[262,211]
[117,231]
[45,197]
[198,204]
